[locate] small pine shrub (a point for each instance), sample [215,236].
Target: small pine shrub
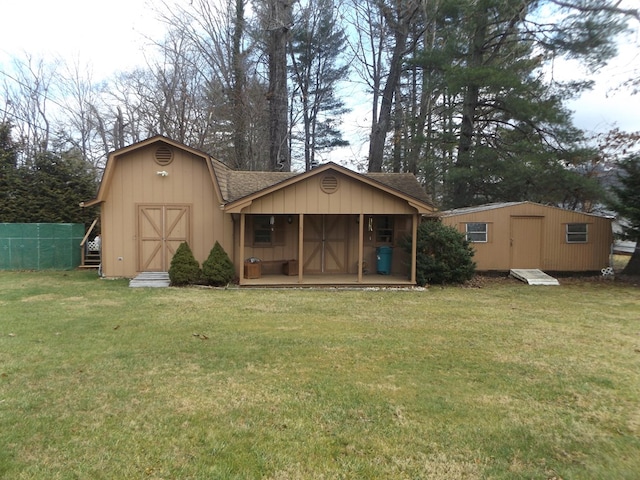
[218,269]
[184,269]
[443,255]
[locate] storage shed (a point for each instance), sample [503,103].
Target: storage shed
[324,226]
[529,235]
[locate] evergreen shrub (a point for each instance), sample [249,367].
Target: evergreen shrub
[443,255]
[184,269]
[218,269]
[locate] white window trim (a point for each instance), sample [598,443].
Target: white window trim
[568,234]
[486,232]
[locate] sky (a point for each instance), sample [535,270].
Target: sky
[109,37]
[106,36]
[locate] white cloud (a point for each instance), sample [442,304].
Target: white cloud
[108,36]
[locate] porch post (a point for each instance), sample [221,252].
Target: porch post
[242,232]
[414,246]
[360,245]
[300,246]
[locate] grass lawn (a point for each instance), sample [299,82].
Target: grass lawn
[506,381]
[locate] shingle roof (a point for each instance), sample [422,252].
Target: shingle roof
[242,184]
[406,183]
[238,184]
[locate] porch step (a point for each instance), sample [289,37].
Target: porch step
[150,279]
[533,276]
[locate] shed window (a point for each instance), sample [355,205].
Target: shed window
[476,232]
[576,233]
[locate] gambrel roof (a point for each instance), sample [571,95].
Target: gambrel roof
[237,186]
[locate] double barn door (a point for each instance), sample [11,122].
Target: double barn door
[161,230]
[325,244]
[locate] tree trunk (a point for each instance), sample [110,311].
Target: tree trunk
[279,157]
[238,90]
[633,267]
[381,127]
[401,26]
[461,191]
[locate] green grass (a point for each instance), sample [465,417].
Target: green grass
[100,381]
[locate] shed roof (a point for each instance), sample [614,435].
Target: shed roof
[477,208]
[493,206]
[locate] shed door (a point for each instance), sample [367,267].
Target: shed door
[526,242]
[325,243]
[161,230]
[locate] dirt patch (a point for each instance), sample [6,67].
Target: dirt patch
[492,279]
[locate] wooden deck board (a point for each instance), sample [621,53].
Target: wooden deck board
[533,276]
[327,280]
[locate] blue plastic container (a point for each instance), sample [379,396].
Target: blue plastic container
[383,255]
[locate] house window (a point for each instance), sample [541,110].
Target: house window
[576,233]
[384,229]
[263,229]
[266,230]
[476,232]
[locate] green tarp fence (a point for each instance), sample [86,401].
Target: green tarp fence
[40,246]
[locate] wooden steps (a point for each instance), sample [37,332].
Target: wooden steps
[150,279]
[91,260]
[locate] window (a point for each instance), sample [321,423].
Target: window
[476,232]
[384,229]
[262,229]
[266,230]
[576,233]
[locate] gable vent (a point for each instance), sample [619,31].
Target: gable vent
[164,155]
[329,184]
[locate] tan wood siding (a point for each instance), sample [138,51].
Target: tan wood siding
[134,181]
[307,197]
[554,254]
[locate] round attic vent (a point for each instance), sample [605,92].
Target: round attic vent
[164,155]
[329,184]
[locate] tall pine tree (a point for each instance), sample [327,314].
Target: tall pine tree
[317,67]
[627,204]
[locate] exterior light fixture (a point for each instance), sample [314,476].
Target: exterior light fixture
[162,173]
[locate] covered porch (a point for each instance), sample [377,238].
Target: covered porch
[328,226]
[326,249]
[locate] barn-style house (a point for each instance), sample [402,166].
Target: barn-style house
[330,225]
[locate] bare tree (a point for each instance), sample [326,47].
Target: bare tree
[217,37]
[384,28]
[28,96]
[276,19]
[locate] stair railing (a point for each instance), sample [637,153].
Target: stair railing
[84,243]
